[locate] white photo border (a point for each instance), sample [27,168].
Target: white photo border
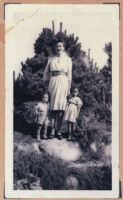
[114,193]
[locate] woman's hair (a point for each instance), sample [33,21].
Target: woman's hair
[60,41]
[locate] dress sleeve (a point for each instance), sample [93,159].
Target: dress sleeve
[46,74]
[69,69]
[79,103]
[36,108]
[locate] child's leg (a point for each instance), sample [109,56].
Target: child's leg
[45,132]
[69,130]
[73,129]
[39,127]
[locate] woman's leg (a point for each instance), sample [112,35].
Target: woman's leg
[53,116]
[59,119]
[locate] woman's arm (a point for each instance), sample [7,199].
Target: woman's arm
[46,74]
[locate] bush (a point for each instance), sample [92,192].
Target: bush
[53,172]
[50,170]
[93,177]
[88,131]
[27,111]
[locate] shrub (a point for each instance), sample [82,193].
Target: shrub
[27,111]
[53,172]
[50,170]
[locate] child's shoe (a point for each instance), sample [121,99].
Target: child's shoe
[70,137]
[51,136]
[38,137]
[44,137]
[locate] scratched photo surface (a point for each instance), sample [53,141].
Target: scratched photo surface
[62,126]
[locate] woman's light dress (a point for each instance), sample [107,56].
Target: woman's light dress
[58,85]
[71,112]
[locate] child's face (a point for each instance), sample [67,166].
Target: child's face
[75,92]
[45,98]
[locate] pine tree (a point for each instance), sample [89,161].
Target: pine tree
[94,84]
[29,86]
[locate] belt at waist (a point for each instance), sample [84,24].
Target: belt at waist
[57,73]
[72,103]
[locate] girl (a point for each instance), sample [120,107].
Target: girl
[42,116]
[72,112]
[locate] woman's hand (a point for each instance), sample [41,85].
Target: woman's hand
[46,83]
[68,93]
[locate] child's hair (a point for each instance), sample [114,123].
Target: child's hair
[46,93]
[75,88]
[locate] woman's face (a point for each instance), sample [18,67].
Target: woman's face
[59,48]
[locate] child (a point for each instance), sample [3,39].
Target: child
[42,116]
[72,112]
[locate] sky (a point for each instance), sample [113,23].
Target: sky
[94,25]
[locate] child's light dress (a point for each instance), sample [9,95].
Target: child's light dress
[58,85]
[41,113]
[71,112]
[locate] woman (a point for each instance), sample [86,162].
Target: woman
[58,71]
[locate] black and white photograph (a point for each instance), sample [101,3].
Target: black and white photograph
[62,101]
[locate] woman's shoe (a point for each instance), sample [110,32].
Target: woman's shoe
[59,135]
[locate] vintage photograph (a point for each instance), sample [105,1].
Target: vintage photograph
[62,65]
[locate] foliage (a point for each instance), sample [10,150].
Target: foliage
[91,131]
[107,69]
[27,111]
[94,85]
[50,170]
[53,171]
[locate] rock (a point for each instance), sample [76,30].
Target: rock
[108,150]
[93,147]
[36,185]
[28,147]
[68,151]
[71,183]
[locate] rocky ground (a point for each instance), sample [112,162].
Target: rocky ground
[70,152]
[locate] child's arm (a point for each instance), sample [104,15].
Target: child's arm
[78,111]
[79,107]
[37,109]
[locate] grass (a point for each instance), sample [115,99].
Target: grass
[52,172]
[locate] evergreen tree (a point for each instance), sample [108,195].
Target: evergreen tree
[94,85]
[29,85]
